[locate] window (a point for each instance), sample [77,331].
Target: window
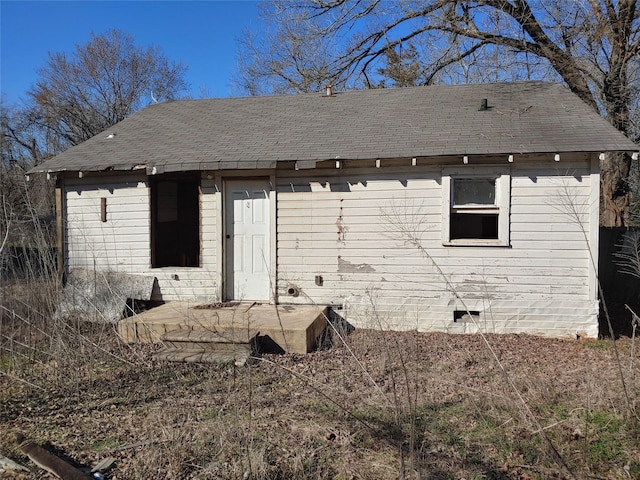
[175,218]
[476,207]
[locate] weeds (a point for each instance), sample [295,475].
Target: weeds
[574,210]
[402,227]
[377,404]
[198,421]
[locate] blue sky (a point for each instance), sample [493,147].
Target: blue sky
[201,34]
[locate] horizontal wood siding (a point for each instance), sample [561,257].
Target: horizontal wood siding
[123,242]
[369,242]
[374,236]
[119,244]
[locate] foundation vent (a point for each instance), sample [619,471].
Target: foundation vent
[464,316]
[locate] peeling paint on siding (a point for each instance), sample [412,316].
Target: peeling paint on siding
[345,266]
[342,228]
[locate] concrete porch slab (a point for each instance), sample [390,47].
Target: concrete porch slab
[292,328]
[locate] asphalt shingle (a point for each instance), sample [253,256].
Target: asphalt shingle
[258,132]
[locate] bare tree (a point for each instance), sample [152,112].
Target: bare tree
[75,97]
[19,136]
[25,207]
[81,94]
[22,145]
[591,45]
[290,55]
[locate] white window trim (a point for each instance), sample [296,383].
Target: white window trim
[503,204]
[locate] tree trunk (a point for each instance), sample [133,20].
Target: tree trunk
[614,190]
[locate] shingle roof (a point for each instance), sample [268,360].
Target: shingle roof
[258,132]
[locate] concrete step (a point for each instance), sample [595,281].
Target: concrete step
[208,346]
[285,328]
[206,340]
[211,347]
[199,356]
[211,336]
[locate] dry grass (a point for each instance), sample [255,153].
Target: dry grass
[381,405]
[333,413]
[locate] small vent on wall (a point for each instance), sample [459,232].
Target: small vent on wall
[103,209]
[464,316]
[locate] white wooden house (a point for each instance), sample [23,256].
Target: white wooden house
[408,208]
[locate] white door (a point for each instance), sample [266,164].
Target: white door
[247,240]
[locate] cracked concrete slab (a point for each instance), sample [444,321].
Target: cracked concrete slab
[102,296]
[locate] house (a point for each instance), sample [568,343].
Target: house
[452,208]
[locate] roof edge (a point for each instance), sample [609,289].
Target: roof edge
[309,164]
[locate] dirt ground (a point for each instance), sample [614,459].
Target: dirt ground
[381,405]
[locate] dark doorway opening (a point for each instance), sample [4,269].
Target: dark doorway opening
[175,221]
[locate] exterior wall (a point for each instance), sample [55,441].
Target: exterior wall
[123,242]
[374,236]
[369,242]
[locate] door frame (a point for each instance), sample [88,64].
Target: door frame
[225,290]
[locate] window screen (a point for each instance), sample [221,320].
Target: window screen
[474,191]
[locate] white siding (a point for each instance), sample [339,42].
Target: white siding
[355,228]
[123,242]
[374,235]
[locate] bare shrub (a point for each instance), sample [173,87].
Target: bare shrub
[33,341]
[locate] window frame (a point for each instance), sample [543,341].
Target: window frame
[502,205]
